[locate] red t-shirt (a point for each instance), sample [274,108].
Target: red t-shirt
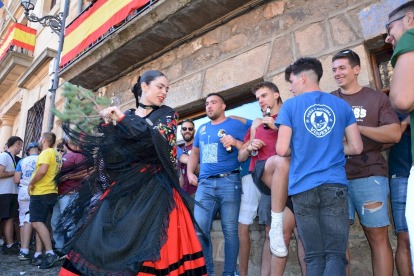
[269,137]
[70,159]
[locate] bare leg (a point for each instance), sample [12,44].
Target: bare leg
[348,256]
[276,176]
[44,234]
[301,251]
[403,254]
[266,255]
[382,259]
[39,243]
[244,249]
[17,228]
[278,264]
[26,234]
[8,231]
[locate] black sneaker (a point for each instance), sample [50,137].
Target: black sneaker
[23,256]
[49,261]
[36,261]
[13,250]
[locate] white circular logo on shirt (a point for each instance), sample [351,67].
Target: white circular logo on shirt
[319,119]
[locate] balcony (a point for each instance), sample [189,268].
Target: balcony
[157,27]
[13,64]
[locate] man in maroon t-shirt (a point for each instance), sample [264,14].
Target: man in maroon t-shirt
[268,170]
[67,190]
[188,132]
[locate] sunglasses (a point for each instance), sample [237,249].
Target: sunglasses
[349,52]
[189,128]
[387,26]
[60,150]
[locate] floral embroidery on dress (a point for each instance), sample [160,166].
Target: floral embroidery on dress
[168,129]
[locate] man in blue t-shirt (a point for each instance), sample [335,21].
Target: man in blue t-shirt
[312,126]
[216,146]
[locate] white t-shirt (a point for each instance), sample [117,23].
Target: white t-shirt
[26,166]
[7,185]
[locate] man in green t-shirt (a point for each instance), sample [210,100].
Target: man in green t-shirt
[400,30]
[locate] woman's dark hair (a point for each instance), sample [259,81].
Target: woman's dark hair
[147,77]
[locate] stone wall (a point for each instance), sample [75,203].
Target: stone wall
[258,46]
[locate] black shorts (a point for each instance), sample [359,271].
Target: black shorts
[9,206]
[264,204]
[41,206]
[257,177]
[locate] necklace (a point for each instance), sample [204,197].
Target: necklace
[148,106]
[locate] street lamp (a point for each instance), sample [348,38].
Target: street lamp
[54,22]
[57,24]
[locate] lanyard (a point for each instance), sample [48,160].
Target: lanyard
[11,156]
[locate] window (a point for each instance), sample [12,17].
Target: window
[383,71]
[34,123]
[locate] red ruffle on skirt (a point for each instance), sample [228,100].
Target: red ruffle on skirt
[181,255]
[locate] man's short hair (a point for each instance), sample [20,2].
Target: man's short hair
[350,55]
[265,84]
[50,137]
[12,140]
[188,121]
[216,94]
[60,145]
[304,64]
[269,85]
[403,9]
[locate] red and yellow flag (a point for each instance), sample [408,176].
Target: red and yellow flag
[19,35]
[93,23]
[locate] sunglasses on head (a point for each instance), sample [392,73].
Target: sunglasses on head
[349,52]
[189,128]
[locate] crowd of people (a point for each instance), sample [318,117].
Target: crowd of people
[127,200]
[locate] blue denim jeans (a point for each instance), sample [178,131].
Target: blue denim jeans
[323,223]
[223,194]
[60,206]
[398,187]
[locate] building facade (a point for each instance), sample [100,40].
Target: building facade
[202,46]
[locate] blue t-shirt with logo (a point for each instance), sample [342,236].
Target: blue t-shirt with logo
[214,158]
[318,121]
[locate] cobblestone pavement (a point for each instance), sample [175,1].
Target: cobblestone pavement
[11,266]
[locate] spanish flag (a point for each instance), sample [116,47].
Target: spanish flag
[95,22]
[18,35]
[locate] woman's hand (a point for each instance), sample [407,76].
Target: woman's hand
[111,112]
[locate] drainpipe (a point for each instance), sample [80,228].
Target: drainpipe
[79,6]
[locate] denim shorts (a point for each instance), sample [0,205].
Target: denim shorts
[398,187]
[368,190]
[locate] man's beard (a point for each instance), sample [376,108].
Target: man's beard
[188,139]
[213,116]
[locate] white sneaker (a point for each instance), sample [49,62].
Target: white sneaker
[277,242]
[1,242]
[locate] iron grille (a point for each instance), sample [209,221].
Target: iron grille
[34,123]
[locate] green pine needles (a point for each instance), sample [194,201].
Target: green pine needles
[81,108]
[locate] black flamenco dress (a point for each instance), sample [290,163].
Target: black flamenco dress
[131,217]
